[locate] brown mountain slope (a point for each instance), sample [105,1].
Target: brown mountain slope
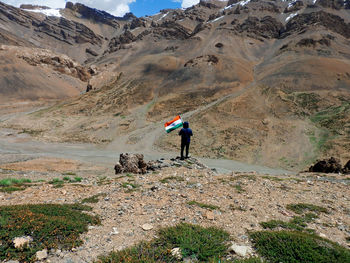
[36,74]
[260,81]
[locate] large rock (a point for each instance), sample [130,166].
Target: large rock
[346,169]
[131,163]
[19,242]
[42,254]
[331,165]
[242,251]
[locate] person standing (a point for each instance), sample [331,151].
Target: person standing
[185,134]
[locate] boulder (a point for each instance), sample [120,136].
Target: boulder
[176,252]
[19,242]
[346,169]
[131,163]
[42,254]
[242,251]
[331,165]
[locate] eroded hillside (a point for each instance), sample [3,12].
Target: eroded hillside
[264,82]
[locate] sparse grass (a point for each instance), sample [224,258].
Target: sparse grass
[171,178]
[92,199]
[298,223]
[295,247]
[31,132]
[14,181]
[69,173]
[243,176]
[130,186]
[57,182]
[50,226]
[302,207]
[195,242]
[239,207]
[272,178]
[203,205]
[10,185]
[102,180]
[10,189]
[77,179]
[239,188]
[332,118]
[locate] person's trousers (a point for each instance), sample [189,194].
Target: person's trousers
[183,146]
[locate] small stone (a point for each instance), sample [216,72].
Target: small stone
[42,254]
[115,231]
[322,235]
[241,251]
[210,215]
[176,252]
[147,227]
[19,242]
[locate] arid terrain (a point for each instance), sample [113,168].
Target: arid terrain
[263,82]
[237,202]
[265,86]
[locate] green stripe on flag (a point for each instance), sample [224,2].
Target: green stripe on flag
[174,128]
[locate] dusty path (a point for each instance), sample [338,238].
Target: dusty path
[15,146]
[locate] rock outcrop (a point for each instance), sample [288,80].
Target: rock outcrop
[302,22]
[331,165]
[93,14]
[131,163]
[346,169]
[267,27]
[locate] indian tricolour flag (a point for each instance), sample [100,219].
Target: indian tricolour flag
[174,124]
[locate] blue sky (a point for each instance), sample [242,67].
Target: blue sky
[115,7]
[149,7]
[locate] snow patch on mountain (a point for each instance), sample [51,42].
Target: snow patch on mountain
[47,12]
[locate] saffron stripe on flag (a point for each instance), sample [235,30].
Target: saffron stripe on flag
[174,124]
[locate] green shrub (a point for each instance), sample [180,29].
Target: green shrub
[92,199]
[296,223]
[171,178]
[14,181]
[10,185]
[302,207]
[204,244]
[297,247]
[203,205]
[50,226]
[77,179]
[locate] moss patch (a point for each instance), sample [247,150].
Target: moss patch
[195,242]
[295,247]
[50,226]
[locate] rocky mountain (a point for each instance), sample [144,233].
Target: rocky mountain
[264,82]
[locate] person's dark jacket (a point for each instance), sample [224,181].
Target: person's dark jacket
[185,133]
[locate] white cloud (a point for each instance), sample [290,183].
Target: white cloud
[189,3]
[115,7]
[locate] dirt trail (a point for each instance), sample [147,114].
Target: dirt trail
[14,146]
